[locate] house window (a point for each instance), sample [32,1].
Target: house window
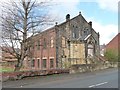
[44,64]
[44,44]
[51,63]
[38,63]
[75,33]
[63,42]
[38,45]
[51,42]
[33,63]
[90,50]
[85,31]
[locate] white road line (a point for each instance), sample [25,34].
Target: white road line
[97,84]
[91,86]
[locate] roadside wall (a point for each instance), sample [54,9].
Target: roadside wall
[91,67]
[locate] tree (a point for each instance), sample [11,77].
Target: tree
[111,55]
[118,54]
[21,20]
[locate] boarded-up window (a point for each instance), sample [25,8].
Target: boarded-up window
[76,48]
[63,42]
[90,50]
[51,63]
[44,63]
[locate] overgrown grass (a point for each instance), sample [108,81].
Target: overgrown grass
[6,69]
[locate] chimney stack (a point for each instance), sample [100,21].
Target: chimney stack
[90,23]
[67,17]
[79,13]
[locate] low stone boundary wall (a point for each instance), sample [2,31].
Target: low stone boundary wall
[79,68]
[21,74]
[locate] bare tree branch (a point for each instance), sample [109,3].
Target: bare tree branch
[18,20]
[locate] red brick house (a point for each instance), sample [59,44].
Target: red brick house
[8,60]
[114,47]
[42,51]
[114,44]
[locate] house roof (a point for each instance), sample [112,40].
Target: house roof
[87,37]
[114,43]
[62,24]
[118,35]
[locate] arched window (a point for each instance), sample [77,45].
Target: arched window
[90,49]
[63,42]
[75,32]
[51,42]
[33,63]
[44,44]
[38,45]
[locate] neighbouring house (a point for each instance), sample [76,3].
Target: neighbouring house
[113,47]
[114,44]
[7,60]
[65,44]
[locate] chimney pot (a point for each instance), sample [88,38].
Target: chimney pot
[67,17]
[56,23]
[90,23]
[79,13]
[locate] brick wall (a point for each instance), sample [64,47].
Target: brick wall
[45,50]
[114,44]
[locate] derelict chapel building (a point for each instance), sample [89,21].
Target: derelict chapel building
[65,44]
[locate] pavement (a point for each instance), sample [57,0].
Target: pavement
[107,78]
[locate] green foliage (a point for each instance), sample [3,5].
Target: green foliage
[112,55]
[6,69]
[119,57]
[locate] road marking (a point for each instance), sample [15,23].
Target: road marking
[97,84]
[91,86]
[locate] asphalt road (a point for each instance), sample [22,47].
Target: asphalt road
[100,79]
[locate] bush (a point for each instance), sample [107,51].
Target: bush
[111,55]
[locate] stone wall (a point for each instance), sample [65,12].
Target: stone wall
[80,68]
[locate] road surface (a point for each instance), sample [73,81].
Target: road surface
[99,79]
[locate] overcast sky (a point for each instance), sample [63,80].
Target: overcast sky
[103,14]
